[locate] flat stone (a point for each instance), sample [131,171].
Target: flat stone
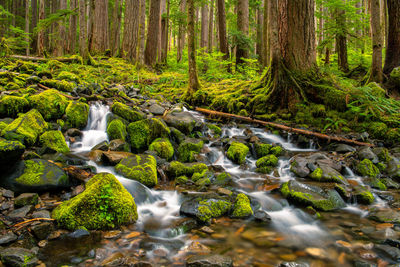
[207,230]
[79,233]
[343,148]
[41,214]
[389,251]
[156,109]
[224,191]
[385,216]
[8,193]
[15,256]
[7,238]
[26,199]
[209,261]
[114,259]
[20,213]
[42,230]
[262,216]
[317,253]
[132,235]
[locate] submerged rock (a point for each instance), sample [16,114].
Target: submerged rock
[104,204]
[142,168]
[209,261]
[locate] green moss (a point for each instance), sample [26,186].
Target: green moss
[214,129]
[276,150]
[181,179]
[376,183]
[188,149]
[266,164]
[143,132]
[393,135]
[316,174]
[223,178]
[50,103]
[176,168]
[243,113]
[365,197]
[10,106]
[69,76]
[237,152]
[212,208]
[376,89]
[367,169]
[12,86]
[77,114]
[104,204]
[3,125]
[126,112]
[64,86]
[242,208]
[203,181]
[378,130]
[142,168]
[32,173]
[262,150]
[163,147]
[341,190]
[25,128]
[381,166]
[54,140]
[116,129]
[383,155]
[395,76]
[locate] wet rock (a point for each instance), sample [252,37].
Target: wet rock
[26,199]
[204,209]
[156,109]
[209,261]
[131,114]
[393,168]
[7,238]
[393,242]
[18,257]
[73,132]
[343,148]
[207,230]
[366,153]
[181,120]
[142,133]
[114,157]
[115,259]
[388,251]
[7,193]
[142,168]
[42,230]
[41,214]
[260,237]
[76,114]
[293,264]
[363,195]
[20,213]
[79,234]
[359,263]
[224,191]
[118,145]
[299,167]
[384,234]
[189,148]
[10,152]
[6,205]
[262,216]
[317,253]
[103,146]
[385,216]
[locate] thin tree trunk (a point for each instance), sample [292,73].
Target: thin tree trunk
[211,28]
[115,29]
[73,21]
[131,29]
[159,43]
[40,41]
[142,31]
[376,68]
[83,45]
[27,26]
[100,42]
[34,10]
[223,42]
[153,30]
[204,28]
[265,35]
[62,37]
[392,59]
[164,32]
[259,29]
[181,30]
[194,83]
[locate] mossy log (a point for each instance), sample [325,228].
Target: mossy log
[284,127]
[42,59]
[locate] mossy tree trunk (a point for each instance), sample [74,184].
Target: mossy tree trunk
[392,59]
[194,83]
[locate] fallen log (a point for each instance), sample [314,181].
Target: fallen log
[43,59]
[284,127]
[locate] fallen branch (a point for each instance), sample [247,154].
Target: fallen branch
[25,223]
[284,127]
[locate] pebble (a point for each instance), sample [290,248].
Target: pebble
[317,253]
[224,191]
[112,234]
[132,235]
[206,230]
[7,238]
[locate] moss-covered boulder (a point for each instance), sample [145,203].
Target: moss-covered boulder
[376,89]
[36,175]
[237,152]
[63,85]
[50,103]
[262,149]
[116,129]
[367,169]
[68,76]
[143,132]
[189,148]
[363,196]
[77,114]
[54,140]
[26,128]
[104,204]
[142,168]
[181,120]
[176,169]
[214,129]
[308,195]
[325,173]
[242,207]
[203,209]
[378,130]
[126,112]
[163,148]
[395,76]
[10,152]
[266,163]
[10,106]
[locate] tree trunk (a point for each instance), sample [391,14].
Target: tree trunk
[211,28]
[376,68]
[150,53]
[194,83]
[223,41]
[341,40]
[142,31]
[392,59]
[27,26]
[34,8]
[159,42]
[116,27]
[265,35]
[131,29]
[100,41]
[62,37]
[83,46]
[181,30]
[164,32]
[40,41]
[259,29]
[204,28]
[242,49]
[73,21]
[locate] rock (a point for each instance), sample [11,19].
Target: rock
[20,213]
[163,148]
[184,121]
[237,152]
[114,157]
[308,195]
[367,169]
[224,191]
[189,148]
[26,199]
[389,251]
[15,256]
[103,146]
[384,234]
[156,109]
[116,129]
[259,236]
[385,216]
[143,132]
[293,264]
[50,103]
[204,209]
[126,112]
[299,167]
[104,204]
[142,168]
[41,214]
[37,175]
[317,253]
[11,105]
[242,208]
[26,128]
[54,140]
[366,153]
[209,261]
[325,173]
[393,169]
[7,238]
[266,163]
[395,76]
[363,196]
[77,114]
[73,132]
[343,148]
[118,145]
[176,169]
[262,216]
[42,230]
[115,259]
[79,234]
[7,193]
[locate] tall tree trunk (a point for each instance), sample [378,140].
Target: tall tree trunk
[83,45]
[153,30]
[259,29]
[265,35]
[204,28]
[131,29]
[392,59]
[159,42]
[116,26]
[181,30]
[211,28]
[27,26]
[376,68]
[341,40]
[62,37]
[142,31]
[194,83]
[242,50]
[100,41]
[34,8]
[40,41]
[73,21]
[223,41]
[164,33]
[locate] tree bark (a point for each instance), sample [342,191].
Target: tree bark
[341,40]
[223,41]
[34,8]
[164,33]
[211,28]
[100,41]
[73,21]
[204,28]
[181,30]
[40,41]
[376,68]
[265,35]
[131,29]
[242,50]
[27,26]
[153,30]
[259,30]
[116,27]
[83,46]
[392,59]
[142,31]
[194,83]
[62,34]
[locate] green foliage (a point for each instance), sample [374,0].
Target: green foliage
[334,124]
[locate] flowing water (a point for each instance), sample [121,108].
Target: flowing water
[290,232]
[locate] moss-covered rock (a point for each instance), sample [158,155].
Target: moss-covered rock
[10,106]
[215,130]
[378,130]
[266,163]
[242,208]
[325,173]
[142,168]
[205,209]
[395,76]
[116,129]
[77,114]
[276,151]
[59,85]
[104,204]
[126,112]
[143,132]
[367,169]
[223,179]
[237,152]
[50,103]
[163,148]
[262,150]
[376,89]
[363,196]
[25,128]
[182,120]
[54,140]
[188,149]
[176,169]
[69,76]
[10,152]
